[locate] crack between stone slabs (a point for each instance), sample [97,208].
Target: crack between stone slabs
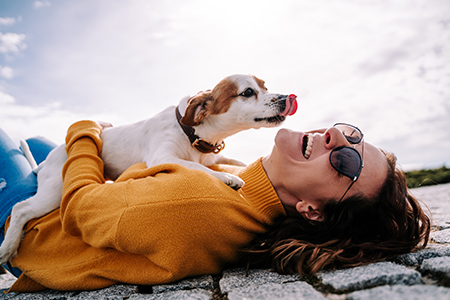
[431,278]
[217,293]
[75,293]
[318,285]
[145,289]
[435,278]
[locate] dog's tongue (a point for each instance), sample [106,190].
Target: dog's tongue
[291,106]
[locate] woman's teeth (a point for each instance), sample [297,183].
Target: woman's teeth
[308,148]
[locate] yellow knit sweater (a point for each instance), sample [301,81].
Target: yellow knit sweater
[151,226]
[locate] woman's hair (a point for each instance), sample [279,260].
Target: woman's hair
[355,231]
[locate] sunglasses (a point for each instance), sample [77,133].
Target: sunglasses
[347,160]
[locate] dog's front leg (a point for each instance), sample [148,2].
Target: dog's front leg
[220,159]
[231,180]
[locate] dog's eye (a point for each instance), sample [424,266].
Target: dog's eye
[248,93]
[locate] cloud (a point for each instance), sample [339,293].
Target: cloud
[40,4]
[5,99]
[51,121]
[6,72]
[7,21]
[11,42]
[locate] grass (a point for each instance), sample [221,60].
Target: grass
[427,177]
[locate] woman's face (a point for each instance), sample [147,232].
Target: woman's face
[305,182]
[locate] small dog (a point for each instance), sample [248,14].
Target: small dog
[194,139]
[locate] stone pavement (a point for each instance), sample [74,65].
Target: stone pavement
[421,275]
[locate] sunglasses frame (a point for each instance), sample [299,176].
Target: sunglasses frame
[361,156]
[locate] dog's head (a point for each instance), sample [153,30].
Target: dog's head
[242,101]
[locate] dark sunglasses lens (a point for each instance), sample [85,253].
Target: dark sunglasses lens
[346,161]
[351,133]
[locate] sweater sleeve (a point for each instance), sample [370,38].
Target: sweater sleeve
[84,185]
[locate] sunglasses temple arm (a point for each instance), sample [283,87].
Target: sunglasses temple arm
[347,190]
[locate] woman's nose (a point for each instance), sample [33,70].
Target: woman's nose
[335,138]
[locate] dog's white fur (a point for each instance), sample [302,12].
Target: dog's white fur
[237,103]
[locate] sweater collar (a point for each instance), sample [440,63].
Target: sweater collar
[259,190]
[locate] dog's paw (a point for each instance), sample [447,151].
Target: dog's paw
[6,253]
[104,124]
[231,180]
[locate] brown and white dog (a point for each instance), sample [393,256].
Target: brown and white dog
[191,134]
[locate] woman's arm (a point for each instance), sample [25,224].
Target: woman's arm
[84,211]
[141,207]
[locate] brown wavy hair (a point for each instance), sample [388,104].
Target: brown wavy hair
[356,231]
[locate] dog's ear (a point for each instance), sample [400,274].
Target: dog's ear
[197,109]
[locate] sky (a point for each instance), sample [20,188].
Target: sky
[382,65]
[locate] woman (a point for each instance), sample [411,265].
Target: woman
[300,208]
[376,219]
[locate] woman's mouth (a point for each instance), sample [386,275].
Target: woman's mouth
[307,145]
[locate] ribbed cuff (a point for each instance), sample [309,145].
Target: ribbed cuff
[84,129]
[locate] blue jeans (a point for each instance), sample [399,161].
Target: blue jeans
[17,180]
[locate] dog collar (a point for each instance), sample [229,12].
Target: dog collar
[197,142]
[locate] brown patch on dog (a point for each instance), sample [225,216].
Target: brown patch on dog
[224,94]
[214,102]
[260,83]
[197,109]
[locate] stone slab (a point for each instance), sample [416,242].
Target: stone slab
[416,258]
[236,278]
[45,295]
[441,237]
[6,281]
[195,294]
[402,292]
[288,291]
[437,264]
[435,199]
[203,282]
[115,292]
[368,276]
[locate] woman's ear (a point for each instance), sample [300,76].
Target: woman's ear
[197,109]
[314,215]
[308,212]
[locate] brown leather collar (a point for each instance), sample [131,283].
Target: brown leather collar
[197,142]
